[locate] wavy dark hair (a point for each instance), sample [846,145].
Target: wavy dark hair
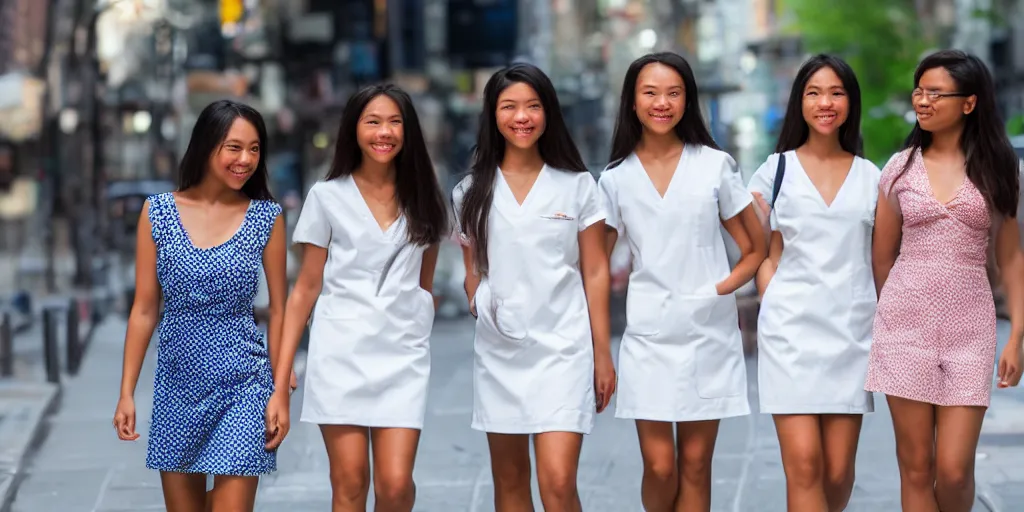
[556,147]
[691,129]
[992,164]
[208,134]
[795,131]
[416,185]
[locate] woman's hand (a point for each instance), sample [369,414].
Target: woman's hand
[124,419]
[277,419]
[1011,364]
[604,380]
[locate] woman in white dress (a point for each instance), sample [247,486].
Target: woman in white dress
[537,280]
[669,190]
[818,293]
[370,233]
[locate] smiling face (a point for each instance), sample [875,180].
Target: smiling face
[520,115]
[825,102]
[660,99]
[936,109]
[235,161]
[380,132]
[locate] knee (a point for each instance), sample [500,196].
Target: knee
[840,479]
[954,478]
[661,470]
[918,470]
[511,476]
[805,470]
[696,465]
[349,484]
[557,485]
[394,488]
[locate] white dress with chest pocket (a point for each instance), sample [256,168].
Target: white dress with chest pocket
[369,353]
[534,364]
[814,326]
[681,356]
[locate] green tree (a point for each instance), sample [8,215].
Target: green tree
[883,41]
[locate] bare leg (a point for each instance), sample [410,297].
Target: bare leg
[184,492]
[510,468]
[803,460]
[840,434]
[233,493]
[558,458]
[696,449]
[957,441]
[348,456]
[394,455]
[660,485]
[914,424]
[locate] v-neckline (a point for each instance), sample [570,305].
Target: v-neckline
[817,192]
[188,237]
[368,212]
[672,179]
[931,190]
[529,193]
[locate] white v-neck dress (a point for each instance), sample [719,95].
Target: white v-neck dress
[369,353]
[681,356]
[534,364]
[814,326]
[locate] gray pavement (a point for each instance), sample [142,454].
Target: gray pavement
[82,466]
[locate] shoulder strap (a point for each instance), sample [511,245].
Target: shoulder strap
[780,171]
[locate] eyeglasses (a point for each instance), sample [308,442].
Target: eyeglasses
[935,95]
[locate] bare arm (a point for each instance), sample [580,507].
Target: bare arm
[746,230]
[145,309]
[274,263]
[472,279]
[885,242]
[299,307]
[596,283]
[1010,261]
[770,265]
[611,237]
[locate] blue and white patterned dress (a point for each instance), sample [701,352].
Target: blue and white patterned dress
[213,376]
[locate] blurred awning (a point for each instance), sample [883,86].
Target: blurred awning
[21,106]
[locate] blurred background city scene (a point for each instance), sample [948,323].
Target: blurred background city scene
[97,100]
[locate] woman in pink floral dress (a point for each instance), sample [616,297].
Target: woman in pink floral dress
[942,200]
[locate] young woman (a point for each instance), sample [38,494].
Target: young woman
[370,234]
[941,200]
[537,281]
[669,190]
[216,408]
[814,324]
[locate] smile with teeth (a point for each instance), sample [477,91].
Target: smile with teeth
[522,130]
[661,116]
[240,172]
[826,118]
[382,147]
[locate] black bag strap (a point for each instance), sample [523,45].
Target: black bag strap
[780,171]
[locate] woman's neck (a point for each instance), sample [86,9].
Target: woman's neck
[376,173]
[211,191]
[822,147]
[655,144]
[518,160]
[947,143]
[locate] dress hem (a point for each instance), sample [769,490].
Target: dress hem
[541,428]
[906,396]
[194,471]
[363,422]
[675,417]
[815,409]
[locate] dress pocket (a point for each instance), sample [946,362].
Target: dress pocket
[645,309]
[503,317]
[718,347]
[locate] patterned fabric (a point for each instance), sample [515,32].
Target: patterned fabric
[213,377]
[935,328]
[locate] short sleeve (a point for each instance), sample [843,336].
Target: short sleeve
[763,182]
[609,194]
[590,205]
[892,171]
[733,197]
[458,195]
[313,226]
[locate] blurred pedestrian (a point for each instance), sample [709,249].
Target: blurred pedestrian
[370,233]
[537,281]
[216,408]
[814,326]
[951,192]
[669,189]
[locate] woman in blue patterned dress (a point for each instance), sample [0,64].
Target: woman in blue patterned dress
[215,408]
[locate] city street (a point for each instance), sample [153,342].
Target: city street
[81,465]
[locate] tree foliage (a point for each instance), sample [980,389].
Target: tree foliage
[882,40]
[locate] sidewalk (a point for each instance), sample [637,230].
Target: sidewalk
[81,466]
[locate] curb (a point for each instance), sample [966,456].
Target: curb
[989,498]
[30,404]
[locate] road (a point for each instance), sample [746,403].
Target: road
[81,466]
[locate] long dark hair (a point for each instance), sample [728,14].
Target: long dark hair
[208,134]
[795,131]
[992,164]
[555,145]
[691,129]
[419,195]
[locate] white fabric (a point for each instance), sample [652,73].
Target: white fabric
[369,354]
[681,356]
[814,326]
[534,365]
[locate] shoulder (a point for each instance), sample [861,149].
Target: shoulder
[898,160]
[579,180]
[268,207]
[712,157]
[867,166]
